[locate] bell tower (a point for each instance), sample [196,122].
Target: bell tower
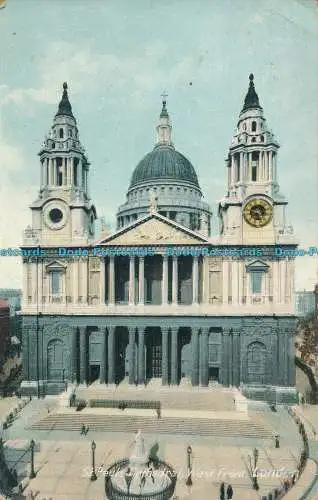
[253,210]
[63,213]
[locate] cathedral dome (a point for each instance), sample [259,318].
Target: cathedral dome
[164,163]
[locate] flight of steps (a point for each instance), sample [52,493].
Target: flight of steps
[165,425]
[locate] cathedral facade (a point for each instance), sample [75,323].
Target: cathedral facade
[160,298]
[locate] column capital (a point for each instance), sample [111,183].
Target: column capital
[174,329]
[205,330]
[165,330]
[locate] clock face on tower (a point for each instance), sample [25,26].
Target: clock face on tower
[258,212]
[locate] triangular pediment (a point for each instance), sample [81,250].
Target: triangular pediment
[257,265]
[55,266]
[153,229]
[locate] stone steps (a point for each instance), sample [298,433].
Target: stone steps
[150,425]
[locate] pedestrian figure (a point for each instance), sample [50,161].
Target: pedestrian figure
[86,430]
[83,429]
[229,492]
[222,491]
[277,441]
[158,412]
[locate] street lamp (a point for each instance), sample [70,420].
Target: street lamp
[255,484]
[32,473]
[93,476]
[189,478]
[38,316]
[128,479]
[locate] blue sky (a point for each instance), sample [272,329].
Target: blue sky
[118,56]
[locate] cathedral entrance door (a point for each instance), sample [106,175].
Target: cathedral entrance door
[154,355]
[56,360]
[93,373]
[214,373]
[120,358]
[186,361]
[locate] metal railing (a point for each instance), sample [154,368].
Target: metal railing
[113,493]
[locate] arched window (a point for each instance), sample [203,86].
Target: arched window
[61,133]
[53,145]
[253,139]
[253,126]
[262,138]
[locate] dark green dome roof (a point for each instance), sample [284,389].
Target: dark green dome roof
[164,162]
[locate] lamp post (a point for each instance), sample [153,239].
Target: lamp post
[255,455]
[32,473]
[38,316]
[128,479]
[93,447]
[189,478]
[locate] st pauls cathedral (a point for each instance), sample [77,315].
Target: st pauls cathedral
[161,298]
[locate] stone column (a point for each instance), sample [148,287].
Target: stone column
[230,356]
[225,361]
[131,292]
[271,165]
[206,284]
[104,359]
[111,280]
[232,170]
[111,354]
[141,356]
[131,361]
[165,355]
[276,284]
[34,285]
[102,281]
[84,275]
[141,281]
[236,358]
[195,356]
[195,279]
[225,281]
[83,355]
[249,163]
[240,170]
[75,353]
[164,283]
[235,282]
[291,363]
[65,173]
[241,282]
[267,165]
[25,286]
[205,356]
[174,355]
[75,280]
[175,279]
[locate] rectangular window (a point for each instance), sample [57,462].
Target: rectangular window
[256,280]
[75,174]
[254,173]
[56,282]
